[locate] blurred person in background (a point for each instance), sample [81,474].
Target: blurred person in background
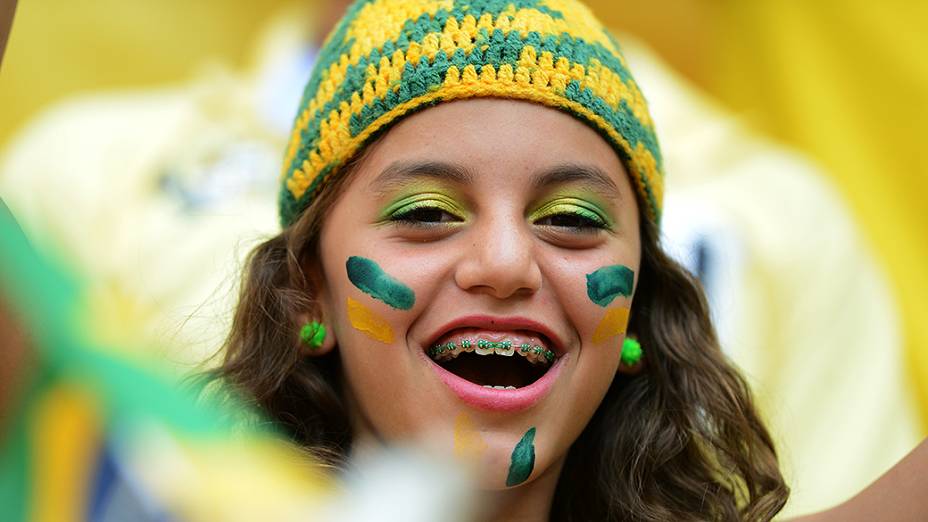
[195,163]
[739,250]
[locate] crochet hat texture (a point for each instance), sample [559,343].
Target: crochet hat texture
[389,58]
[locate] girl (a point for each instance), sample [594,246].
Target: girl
[470,202]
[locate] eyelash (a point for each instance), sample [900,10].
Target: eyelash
[585,220]
[412,215]
[587,223]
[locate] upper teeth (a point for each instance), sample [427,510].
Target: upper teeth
[450,350]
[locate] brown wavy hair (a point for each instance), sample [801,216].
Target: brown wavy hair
[681,440]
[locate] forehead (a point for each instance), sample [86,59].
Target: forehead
[492,141]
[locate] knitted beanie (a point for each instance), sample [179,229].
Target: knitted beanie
[388,58]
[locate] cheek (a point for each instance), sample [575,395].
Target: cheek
[368,322]
[368,277]
[597,295]
[610,288]
[381,293]
[369,299]
[607,283]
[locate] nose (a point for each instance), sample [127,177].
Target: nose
[501,259]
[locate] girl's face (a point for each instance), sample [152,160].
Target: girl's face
[477,272]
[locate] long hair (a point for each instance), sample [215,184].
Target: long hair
[681,440]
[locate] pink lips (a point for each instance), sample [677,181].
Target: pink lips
[499,400]
[490,398]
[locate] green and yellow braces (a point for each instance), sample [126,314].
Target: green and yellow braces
[524,348]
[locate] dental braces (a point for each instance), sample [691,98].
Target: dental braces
[466,344]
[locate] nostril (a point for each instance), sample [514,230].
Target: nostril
[501,261]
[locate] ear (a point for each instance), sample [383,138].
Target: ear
[320,340]
[634,369]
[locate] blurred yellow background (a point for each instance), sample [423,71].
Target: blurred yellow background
[59,48]
[845,82]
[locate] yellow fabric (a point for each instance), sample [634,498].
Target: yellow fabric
[848,83]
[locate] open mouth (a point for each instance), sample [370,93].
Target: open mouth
[500,360]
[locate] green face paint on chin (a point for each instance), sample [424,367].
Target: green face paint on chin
[523,460]
[609,282]
[373,281]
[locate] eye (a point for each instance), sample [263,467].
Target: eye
[425,212]
[571,215]
[575,221]
[425,215]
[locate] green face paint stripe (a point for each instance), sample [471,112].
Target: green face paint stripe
[373,281]
[609,282]
[522,461]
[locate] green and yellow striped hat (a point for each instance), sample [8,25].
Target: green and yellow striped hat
[389,58]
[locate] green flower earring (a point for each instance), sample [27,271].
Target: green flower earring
[313,335]
[631,351]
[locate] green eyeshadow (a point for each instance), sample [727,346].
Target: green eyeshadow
[574,206]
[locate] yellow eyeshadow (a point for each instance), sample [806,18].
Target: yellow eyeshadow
[422,200]
[573,206]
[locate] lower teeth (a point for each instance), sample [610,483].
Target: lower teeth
[499,387]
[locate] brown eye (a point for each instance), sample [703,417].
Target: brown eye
[574,222]
[569,221]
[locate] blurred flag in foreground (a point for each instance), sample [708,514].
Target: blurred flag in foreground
[88,435]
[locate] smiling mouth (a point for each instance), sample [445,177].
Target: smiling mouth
[501,361]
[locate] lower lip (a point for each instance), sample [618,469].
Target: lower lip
[493,399]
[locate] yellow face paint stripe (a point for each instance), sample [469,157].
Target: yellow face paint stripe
[468,84]
[369,322]
[468,443]
[613,323]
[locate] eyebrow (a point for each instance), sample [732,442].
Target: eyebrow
[402,173]
[590,175]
